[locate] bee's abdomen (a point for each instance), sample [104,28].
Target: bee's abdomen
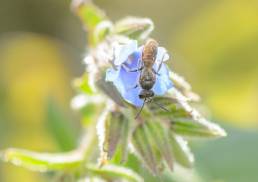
[147,85]
[147,79]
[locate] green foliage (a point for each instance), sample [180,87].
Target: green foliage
[193,128]
[181,151]
[117,126]
[156,135]
[113,172]
[144,148]
[42,162]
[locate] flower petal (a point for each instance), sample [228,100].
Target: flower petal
[122,52]
[126,83]
[112,74]
[133,61]
[163,82]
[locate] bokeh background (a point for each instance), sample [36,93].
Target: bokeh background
[214,44]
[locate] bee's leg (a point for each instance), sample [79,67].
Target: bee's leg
[138,114]
[159,105]
[139,67]
[131,70]
[155,72]
[135,70]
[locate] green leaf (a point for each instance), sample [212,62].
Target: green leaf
[42,162]
[144,148]
[113,172]
[181,151]
[126,133]
[184,119]
[121,153]
[89,14]
[113,134]
[134,28]
[158,134]
[172,105]
[196,128]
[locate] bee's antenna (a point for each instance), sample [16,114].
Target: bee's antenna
[138,114]
[162,107]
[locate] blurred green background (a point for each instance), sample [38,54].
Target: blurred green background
[214,44]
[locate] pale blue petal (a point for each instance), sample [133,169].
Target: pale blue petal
[125,84]
[111,74]
[132,97]
[163,82]
[133,61]
[122,52]
[162,55]
[125,81]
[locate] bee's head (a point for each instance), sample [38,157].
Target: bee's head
[144,94]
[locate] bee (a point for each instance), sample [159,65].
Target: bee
[148,75]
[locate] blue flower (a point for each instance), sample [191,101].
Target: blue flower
[128,57]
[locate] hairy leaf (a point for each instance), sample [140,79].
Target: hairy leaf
[184,119]
[144,148]
[173,108]
[116,132]
[42,162]
[181,150]
[196,128]
[158,134]
[113,172]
